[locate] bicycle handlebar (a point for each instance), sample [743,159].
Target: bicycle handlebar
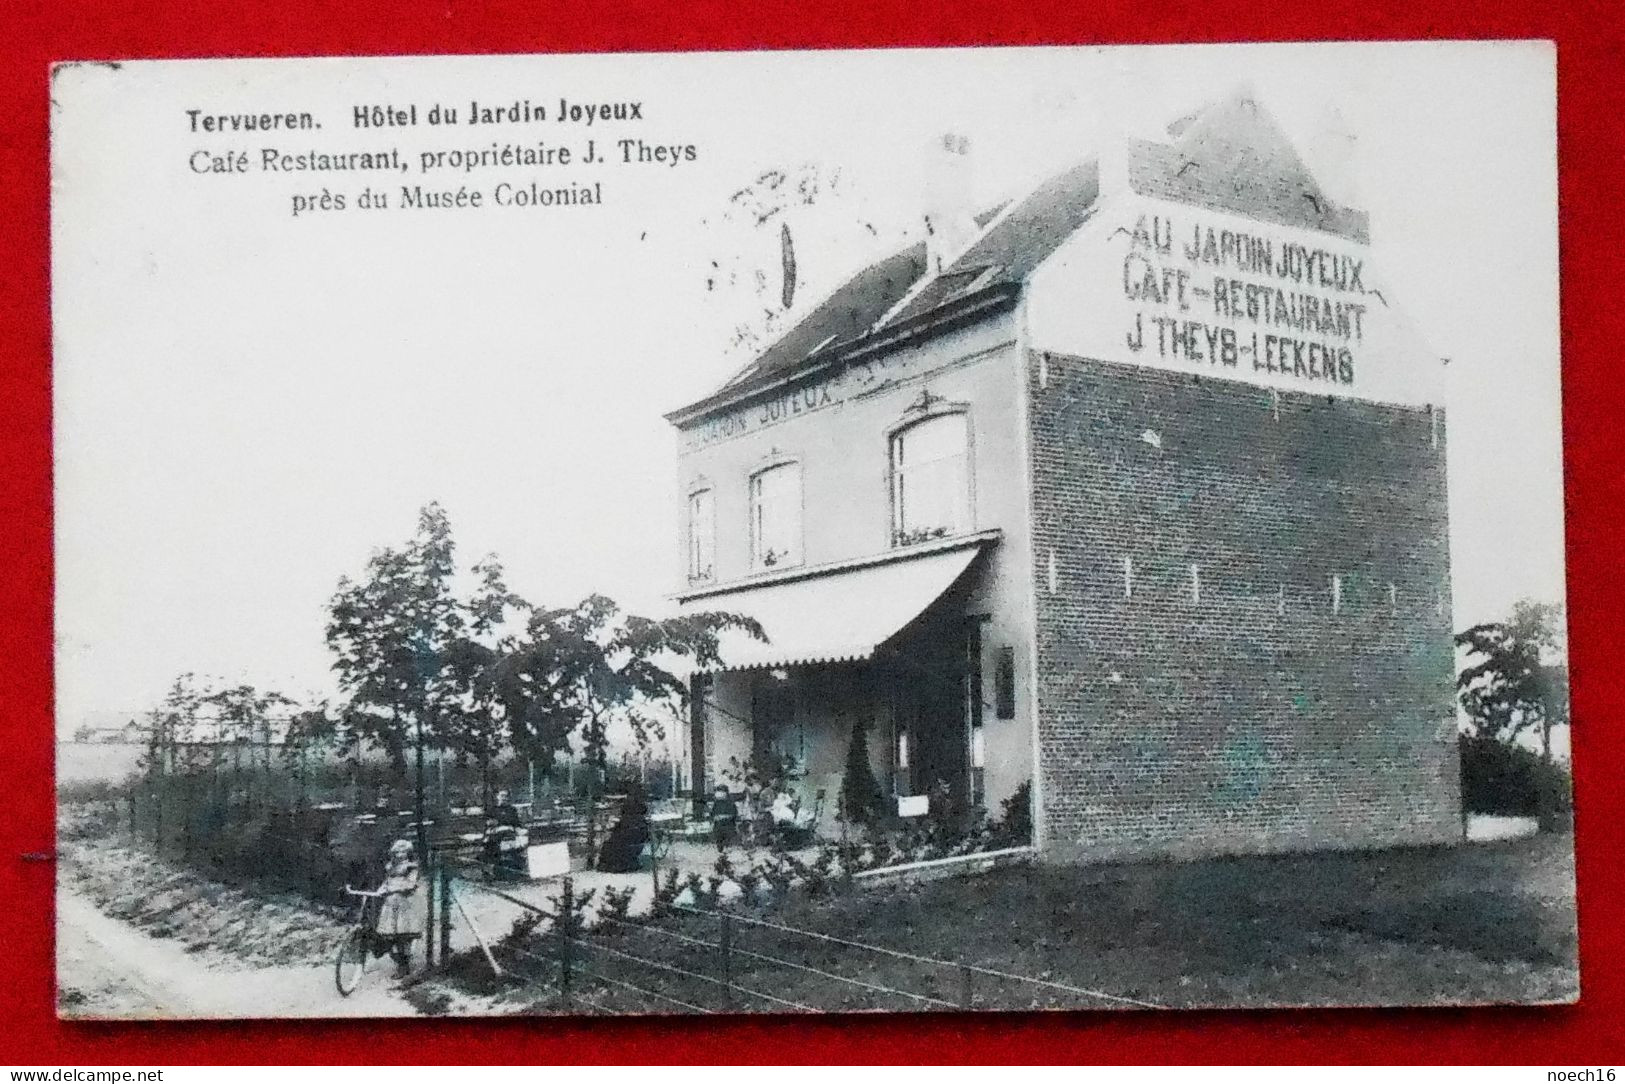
[348,891]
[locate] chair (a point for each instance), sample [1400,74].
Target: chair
[724,819]
[801,833]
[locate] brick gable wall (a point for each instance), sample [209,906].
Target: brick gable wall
[1248,716]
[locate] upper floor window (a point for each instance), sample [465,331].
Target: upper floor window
[930,479]
[702,535]
[775,516]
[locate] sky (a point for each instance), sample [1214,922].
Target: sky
[249,402]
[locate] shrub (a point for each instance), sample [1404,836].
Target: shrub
[570,914]
[945,819]
[1510,780]
[523,927]
[849,853]
[666,893]
[815,875]
[74,792]
[722,871]
[860,798]
[1015,825]
[912,842]
[615,907]
[695,884]
[748,881]
[779,871]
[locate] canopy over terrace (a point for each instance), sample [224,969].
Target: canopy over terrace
[836,613]
[842,645]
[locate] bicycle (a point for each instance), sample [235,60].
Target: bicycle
[362,946]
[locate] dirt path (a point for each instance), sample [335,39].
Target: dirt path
[109,969]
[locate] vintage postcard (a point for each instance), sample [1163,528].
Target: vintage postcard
[932,530]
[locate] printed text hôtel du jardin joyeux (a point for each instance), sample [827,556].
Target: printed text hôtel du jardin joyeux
[513,153]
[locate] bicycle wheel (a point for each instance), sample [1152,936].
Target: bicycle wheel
[352,963]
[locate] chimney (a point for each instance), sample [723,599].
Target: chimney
[950,217]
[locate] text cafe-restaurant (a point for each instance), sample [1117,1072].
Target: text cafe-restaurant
[1125,499]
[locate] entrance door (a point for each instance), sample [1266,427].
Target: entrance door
[776,730]
[931,704]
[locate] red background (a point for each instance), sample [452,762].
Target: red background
[1591,137]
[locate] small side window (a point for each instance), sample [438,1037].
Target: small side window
[702,536]
[1004,684]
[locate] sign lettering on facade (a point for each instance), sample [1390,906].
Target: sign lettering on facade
[782,406]
[857,378]
[1167,285]
[1236,298]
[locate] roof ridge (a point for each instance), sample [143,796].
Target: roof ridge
[823,299]
[902,289]
[1243,96]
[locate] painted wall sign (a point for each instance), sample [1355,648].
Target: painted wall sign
[780,407]
[1166,285]
[859,378]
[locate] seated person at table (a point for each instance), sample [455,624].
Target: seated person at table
[724,814]
[788,812]
[622,852]
[504,811]
[505,839]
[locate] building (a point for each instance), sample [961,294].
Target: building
[1136,491]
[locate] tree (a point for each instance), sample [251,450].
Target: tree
[243,721]
[419,666]
[312,728]
[1519,683]
[1521,679]
[171,726]
[393,632]
[860,792]
[578,670]
[474,723]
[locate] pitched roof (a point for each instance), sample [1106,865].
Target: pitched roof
[854,307]
[1014,243]
[1231,156]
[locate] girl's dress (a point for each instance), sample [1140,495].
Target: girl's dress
[401,913]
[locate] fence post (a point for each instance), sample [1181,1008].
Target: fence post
[445,910]
[564,920]
[725,943]
[967,996]
[184,794]
[428,903]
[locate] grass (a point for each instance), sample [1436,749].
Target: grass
[1481,924]
[253,924]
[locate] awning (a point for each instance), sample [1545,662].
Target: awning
[837,616]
